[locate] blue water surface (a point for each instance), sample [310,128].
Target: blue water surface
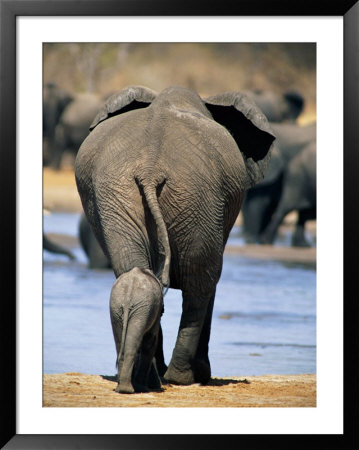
[264,318]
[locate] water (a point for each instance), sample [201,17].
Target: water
[264,319]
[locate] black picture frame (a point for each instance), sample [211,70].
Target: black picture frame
[10,9]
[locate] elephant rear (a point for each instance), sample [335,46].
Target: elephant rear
[161,178]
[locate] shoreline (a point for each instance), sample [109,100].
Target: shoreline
[80,390]
[289,255]
[60,195]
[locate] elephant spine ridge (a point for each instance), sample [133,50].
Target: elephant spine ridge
[149,190]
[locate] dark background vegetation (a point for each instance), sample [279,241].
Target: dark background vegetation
[208,68]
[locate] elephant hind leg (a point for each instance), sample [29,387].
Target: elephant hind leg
[125,388]
[160,360]
[201,364]
[287,204]
[184,367]
[270,233]
[154,381]
[298,238]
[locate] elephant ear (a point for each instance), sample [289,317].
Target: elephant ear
[275,168]
[249,128]
[128,99]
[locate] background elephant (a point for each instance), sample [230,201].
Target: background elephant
[278,107]
[72,125]
[52,247]
[162,179]
[299,193]
[55,101]
[95,255]
[262,200]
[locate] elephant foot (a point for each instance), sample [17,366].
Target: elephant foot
[154,382]
[175,376]
[250,239]
[202,371]
[140,388]
[265,240]
[125,388]
[300,242]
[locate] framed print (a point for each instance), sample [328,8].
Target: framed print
[50,339]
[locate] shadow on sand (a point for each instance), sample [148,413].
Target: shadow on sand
[226,381]
[212,381]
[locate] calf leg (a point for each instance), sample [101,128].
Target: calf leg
[146,376]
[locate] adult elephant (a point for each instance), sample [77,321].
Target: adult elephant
[53,247]
[299,193]
[279,107]
[73,126]
[95,255]
[162,178]
[55,101]
[262,200]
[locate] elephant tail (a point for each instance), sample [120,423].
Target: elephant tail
[123,337]
[149,191]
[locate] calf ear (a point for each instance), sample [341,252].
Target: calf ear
[249,128]
[128,99]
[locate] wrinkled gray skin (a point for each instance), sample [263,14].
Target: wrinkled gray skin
[299,193]
[136,306]
[55,101]
[285,107]
[52,247]
[72,126]
[262,200]
[98,260]
[161,181]
[95,255]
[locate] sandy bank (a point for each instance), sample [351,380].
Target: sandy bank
[79,390]
[60,191]
[269,252]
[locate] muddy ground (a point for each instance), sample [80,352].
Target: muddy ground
[79,390]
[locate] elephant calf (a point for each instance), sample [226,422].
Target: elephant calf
[136,306]
[162,178]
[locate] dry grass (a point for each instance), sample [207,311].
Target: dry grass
[207,68]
